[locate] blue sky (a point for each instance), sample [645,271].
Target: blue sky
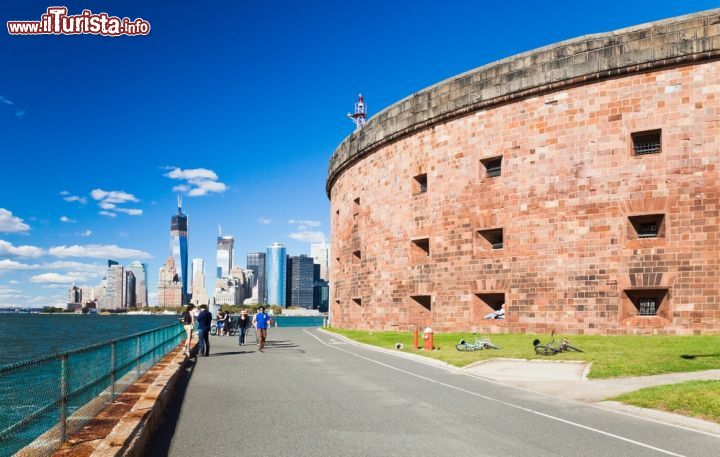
[254,94]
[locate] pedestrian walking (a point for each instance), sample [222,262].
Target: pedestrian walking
[204,319]
[261,321]
[243,324]
[187,319]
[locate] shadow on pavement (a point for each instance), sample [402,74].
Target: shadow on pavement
[159,443]
[220,354]
[282,344]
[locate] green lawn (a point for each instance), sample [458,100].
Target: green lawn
[611,356]
[699,399]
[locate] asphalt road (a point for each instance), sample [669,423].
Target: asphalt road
[311,394]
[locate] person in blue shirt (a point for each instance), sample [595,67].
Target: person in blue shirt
[204,320]
[261,321]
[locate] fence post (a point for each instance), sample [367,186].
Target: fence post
[112,371]
[138,356]
[63,396]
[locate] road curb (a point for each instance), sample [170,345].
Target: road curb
[663,416]
[407,355]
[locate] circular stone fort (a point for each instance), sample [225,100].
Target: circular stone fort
[572,188]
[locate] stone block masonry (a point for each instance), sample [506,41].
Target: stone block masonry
[577,184]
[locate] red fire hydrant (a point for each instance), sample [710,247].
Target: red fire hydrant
[428,337]
[415,338]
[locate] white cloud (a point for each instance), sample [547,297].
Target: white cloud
[12,265]
[130,211]
[67,220]
[73,198]
[57,278]
[198,181]
[307,236]
[98,251]
[305,222]
[109,202]
[10,223]
[7,249]
[87,269]
[85,233]
[18,112]
[14,281]
[264,220]
[113,196]
[193,173]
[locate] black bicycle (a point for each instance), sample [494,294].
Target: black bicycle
[552,347]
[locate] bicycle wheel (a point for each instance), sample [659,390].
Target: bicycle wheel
[572,348]
[213,329]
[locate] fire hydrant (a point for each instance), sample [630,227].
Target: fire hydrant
[428,339]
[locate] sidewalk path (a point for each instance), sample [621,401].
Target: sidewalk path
[568,379]
[312,394]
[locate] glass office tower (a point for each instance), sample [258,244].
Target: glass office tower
[140,269]
[256,263]
[179,238]
[224,256]
[276,274]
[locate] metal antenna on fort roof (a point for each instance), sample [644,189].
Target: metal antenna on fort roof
[360,114]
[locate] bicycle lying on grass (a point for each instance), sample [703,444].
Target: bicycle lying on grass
[553,348]
[478,345]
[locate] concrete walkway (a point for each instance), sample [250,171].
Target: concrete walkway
[569,379]
[311,393]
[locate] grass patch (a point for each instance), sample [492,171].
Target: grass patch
[699,399]
[611,356]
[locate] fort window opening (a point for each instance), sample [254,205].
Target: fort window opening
[421,246]
[420,184]
[492,238]
[423,300]
[646,142]
[492,166]
[647,302]
[648,226]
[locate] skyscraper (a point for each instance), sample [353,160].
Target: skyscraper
[140,270]
[301,282]
[169,286]
[129,299]
[275,274]
[256,263]
[199,291]
[198,265]
[320,253]
[224,255]
[179,238]
[115,292]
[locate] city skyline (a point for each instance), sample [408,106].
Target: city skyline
[71,203]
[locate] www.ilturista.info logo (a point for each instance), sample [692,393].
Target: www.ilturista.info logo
[57,22]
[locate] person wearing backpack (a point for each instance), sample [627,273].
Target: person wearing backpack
[187,319]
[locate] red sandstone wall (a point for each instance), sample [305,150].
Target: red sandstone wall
[569,182]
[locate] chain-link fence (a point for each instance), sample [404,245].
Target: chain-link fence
[44,400]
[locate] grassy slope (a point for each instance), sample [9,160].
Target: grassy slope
[699,399]
[612,356]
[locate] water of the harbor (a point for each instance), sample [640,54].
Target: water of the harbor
[27,336]
[29,392]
